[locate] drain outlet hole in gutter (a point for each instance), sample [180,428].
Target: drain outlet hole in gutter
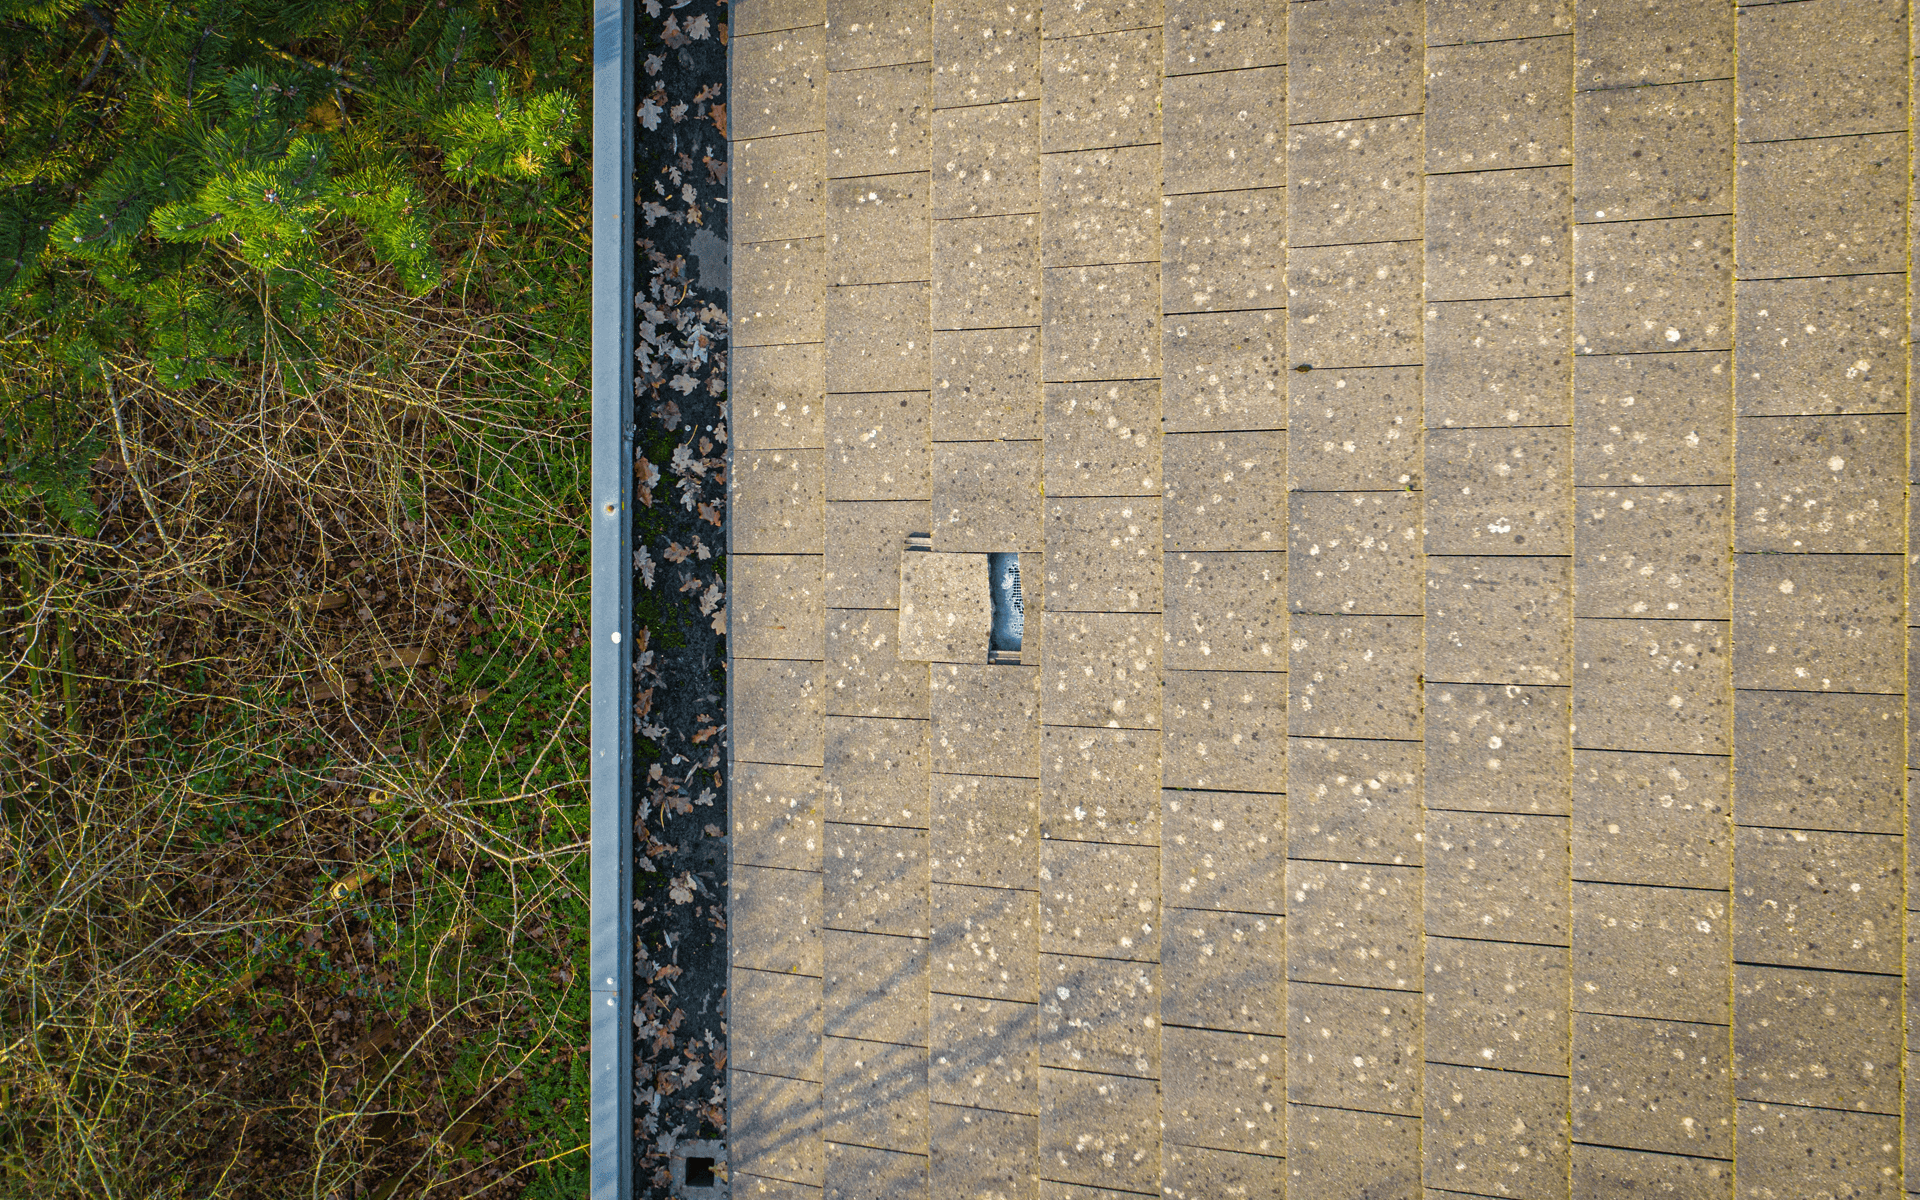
[700,1172]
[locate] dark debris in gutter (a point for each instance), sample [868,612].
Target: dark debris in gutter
[680,588]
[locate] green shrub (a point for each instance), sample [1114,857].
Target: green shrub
[168,170]
[294,308]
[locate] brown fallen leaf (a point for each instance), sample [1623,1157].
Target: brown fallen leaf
[379,1037]
[416,656]
[234,990]
[328,601]
[718,113]
[335,689]
[459,1135]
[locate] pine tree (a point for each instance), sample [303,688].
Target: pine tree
[495,135]
[169,174]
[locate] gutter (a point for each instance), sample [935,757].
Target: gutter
[611,914]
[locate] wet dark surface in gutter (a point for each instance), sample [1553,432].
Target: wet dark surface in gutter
[679,588]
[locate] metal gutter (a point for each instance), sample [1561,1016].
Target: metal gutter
[611,916]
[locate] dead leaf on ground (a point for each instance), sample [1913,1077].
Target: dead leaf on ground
[415,656]
[379,1037]
[335,689]
[234,990]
